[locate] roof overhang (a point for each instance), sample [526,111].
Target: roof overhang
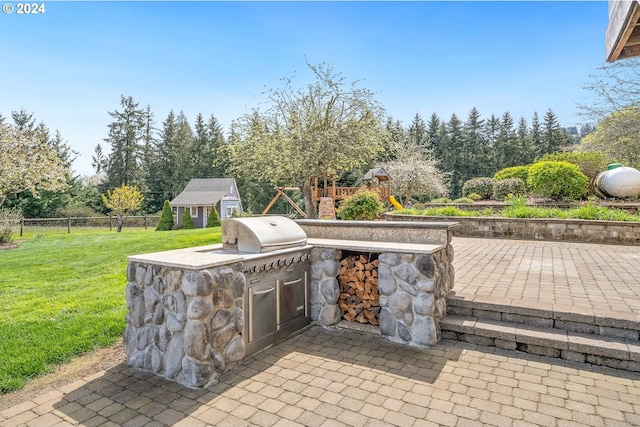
[623,31]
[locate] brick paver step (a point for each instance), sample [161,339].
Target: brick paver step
[613,352]
[567,318]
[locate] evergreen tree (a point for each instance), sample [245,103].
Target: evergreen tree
[214,218]
[98,160]
[162,173]
[126,136]
[474,152]
[187,221]
[506,142]
[536,136]
[201,150]
[184,146]
[523,152]
[220,163]
[554,137]
[491,131]
[417,133]
[452,159]
[433,128]
[166,218]
[396,137]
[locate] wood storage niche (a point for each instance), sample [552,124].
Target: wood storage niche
[359,299]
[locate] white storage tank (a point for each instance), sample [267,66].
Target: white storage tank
[618,181]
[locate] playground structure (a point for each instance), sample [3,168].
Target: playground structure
[376,179]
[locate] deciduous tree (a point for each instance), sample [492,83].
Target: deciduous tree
[414,172]
[325,128]
[28,162]
[122,202]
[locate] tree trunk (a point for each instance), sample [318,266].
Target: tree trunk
[309,205]
[120,220]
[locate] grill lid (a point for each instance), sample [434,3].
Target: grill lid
[261,234]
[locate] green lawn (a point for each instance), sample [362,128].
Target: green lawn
[62,295]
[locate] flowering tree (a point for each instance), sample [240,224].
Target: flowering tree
[415,172]
[123,201]
[27,162]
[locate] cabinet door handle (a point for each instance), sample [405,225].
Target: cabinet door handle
[266,291]
[293,282]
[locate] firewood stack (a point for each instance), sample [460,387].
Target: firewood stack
[359,299]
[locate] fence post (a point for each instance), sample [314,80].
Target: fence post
[21,226]
[110,222]
[145,221]
[68,225]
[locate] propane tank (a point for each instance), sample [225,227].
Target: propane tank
[618,181]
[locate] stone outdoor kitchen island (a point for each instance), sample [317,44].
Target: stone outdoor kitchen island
[188,308]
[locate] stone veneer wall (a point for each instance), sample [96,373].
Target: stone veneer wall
[614,232]
[184,325]
[412,292]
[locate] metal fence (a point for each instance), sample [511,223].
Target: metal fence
[70,223]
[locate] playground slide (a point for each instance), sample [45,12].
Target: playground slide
[395,203]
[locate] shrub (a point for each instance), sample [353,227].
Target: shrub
[214,218]
[590,163]
[166,218]
[521,172]
[475,197]
[503,187]
[9,219]
[557,180]
[481,186]
[187,221]
[364,204]
[463,200]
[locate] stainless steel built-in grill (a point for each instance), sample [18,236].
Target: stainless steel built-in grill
[276,268]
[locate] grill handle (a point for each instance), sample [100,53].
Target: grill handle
[266,291]
[293,282]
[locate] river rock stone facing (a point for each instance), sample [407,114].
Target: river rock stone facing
[412,292]
[184,325]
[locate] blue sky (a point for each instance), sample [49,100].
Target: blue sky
[70,65]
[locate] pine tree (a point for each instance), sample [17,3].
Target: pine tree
[536,136]
[432,130]
[166,218]
[452,160]
[126,136]
[220,162]
[554,137]
[187,221]
[417,132]
[214,218]
[184,148]
[474,153]
[491,131]
[506,142]
[524,152]
[201,150]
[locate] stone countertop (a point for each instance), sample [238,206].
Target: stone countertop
[372,246]
[203,257]
[196,258]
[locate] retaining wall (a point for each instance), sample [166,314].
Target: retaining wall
[611,232]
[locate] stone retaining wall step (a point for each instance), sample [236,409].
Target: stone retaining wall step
[613,352]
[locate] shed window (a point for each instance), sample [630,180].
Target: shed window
[193,210]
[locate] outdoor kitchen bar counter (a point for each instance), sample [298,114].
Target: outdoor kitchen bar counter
[186,320]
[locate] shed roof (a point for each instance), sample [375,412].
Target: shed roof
[205,192]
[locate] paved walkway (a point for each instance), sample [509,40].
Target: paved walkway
[340,377]
[605,277]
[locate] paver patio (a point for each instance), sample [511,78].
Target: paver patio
[337,377]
